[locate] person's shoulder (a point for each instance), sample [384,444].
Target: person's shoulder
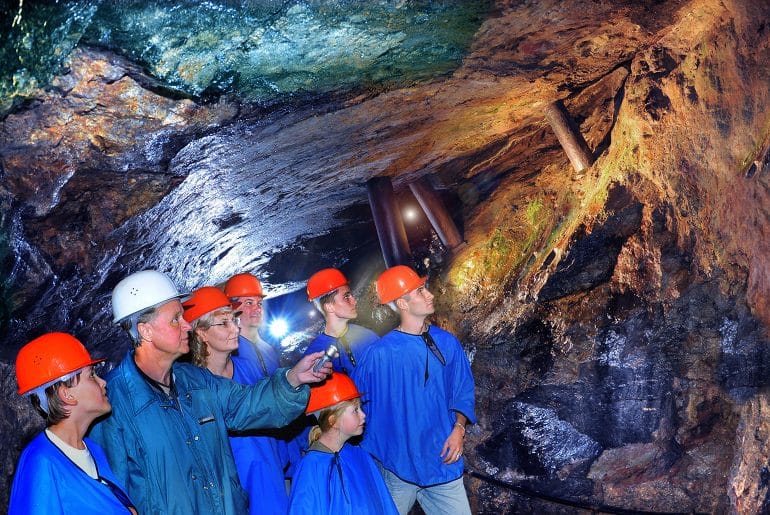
[193,377]
[313,459]
[119,371]
[245,369]
[264,346]
[318,343]
[443,334]
[39,453]
[353,450]
[183,368]
[39,442]
[392,335]
[360,330]
[435,329]
[385,343]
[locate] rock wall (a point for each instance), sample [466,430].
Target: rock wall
[625,359]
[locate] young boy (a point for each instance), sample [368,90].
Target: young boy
[61,471]
[330,292]
[418,381]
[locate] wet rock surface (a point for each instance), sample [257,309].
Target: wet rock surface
[616,317]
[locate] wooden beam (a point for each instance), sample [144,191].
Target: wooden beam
[387,219]
[569,136]
[438,215]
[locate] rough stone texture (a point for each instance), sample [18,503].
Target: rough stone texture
[749,474]
[639,306]
[615,318]
[68,155]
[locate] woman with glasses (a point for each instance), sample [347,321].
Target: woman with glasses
[260,458]
[61,471]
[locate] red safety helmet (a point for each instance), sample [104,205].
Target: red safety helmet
[337,388]
[324,281]
[204,300]
[243,285]
[396,282]
[48,359]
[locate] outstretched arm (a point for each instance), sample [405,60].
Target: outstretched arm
[302,372]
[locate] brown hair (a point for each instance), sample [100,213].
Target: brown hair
[326,298]
[56,408]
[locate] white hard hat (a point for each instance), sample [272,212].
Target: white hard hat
[141,291]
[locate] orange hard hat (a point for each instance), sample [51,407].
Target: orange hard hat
[243,285]
[48,359]
[204,300]
[324,281]
[337,388]
[396,282]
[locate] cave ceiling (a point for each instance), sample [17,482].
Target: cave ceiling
[201,152]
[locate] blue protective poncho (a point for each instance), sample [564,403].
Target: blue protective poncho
[173,455]
[260,353]
[408,417]
[48,483]
[354,342]
[260,458]
[266,361]
[343,483]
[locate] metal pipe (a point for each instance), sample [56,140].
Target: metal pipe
[387,219]
[438,215]
[569,136]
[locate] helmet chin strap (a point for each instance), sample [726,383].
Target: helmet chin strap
[39,392]
[133,330]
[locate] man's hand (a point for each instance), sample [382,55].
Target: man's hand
[453,446]
[302,372]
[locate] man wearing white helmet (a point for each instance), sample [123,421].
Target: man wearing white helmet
[167,436]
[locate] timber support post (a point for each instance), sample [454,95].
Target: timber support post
[437,214]
[569,136]
[387,219]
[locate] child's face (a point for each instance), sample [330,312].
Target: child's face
[351,421]
[91,393]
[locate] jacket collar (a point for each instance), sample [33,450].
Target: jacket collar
[141,393]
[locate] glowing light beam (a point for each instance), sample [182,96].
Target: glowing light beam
[279,328]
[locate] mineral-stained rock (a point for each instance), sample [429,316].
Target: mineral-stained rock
[90,153]
[750,473]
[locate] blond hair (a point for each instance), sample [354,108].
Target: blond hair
[199,352]
[327,417]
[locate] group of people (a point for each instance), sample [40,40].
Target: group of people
[225,428]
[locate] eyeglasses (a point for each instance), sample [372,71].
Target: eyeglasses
[227,324]
[431,346]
